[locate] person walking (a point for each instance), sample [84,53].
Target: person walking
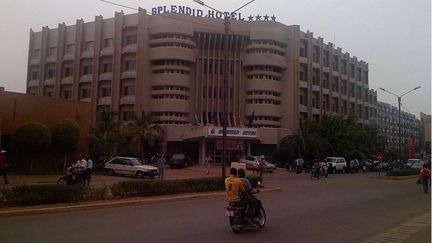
[207,164]
[3,166]
[424,178]
[161,166]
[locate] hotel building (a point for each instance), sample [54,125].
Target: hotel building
[172,65]
[388,125]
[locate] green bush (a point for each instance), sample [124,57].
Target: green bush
[43,194]
[32,137]
[406,172]
[156,187]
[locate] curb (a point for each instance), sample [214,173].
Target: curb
[397,178]
[117,203]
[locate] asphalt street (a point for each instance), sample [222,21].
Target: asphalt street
[342,208]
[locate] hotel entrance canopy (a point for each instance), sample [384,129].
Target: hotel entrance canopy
[213,132]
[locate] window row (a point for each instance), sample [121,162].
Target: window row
[176,114]
[179,88]
[171,71]
[170,96]
[168,36]
[270,77]
[269,42]
[272,93]
[265,51]
[172,44]
[263,101]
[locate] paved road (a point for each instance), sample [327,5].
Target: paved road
[342,208]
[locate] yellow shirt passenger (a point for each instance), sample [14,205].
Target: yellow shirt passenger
[233,186]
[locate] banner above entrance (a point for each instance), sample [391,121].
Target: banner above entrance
[233,132]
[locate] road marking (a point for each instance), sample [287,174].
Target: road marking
[402,232]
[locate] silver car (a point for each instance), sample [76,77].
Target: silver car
[130,167]
[252,163]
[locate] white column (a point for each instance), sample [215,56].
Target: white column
[248,153]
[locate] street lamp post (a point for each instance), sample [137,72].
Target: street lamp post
[399,97]
[225,78]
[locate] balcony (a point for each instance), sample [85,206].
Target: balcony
[106,76]
[108,51]
[86,78]
[303,84]
[67,80]
[132,48]
[127,100]
[303,60]
[33,83]
[128,74]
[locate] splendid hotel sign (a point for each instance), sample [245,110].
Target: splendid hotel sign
[209,13]
[233,132]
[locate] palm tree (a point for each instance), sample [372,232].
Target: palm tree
[144,131]
[105,134]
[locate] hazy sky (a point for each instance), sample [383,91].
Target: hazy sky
[393,36]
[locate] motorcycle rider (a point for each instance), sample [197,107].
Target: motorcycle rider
[81,166]
[249,191]
[233,188]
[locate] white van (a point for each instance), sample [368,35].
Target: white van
[338,163]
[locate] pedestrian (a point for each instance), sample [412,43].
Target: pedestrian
[261,164]
[161,166]
[89,169]
[3,166]
[425,178]
[208,160]
[81,166]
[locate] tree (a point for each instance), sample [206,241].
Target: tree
[65,137]
[144,131]
[31,138]
[105,135]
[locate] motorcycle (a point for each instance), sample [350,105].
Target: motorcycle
[238,219]
[72,177]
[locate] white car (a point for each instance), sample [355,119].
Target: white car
[338,163]
[131,167]
[252,163]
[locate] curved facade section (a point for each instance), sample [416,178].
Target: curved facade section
[163,26]
[268,110]
[263,84]
[169,79]
[172,52]
[253,58]
[170,105]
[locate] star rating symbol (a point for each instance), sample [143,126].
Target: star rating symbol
[266,17]
[250,17]
[273,18]
[258,17]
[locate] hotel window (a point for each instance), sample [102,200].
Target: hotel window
[88,45]
[67,71]
[128,90]
[48,91]
[34,75]
[108,42]
[70,48]
[105,91]
[52,51]
[85,93]
[50,71]
[303,48]
[127,116]
[36,53]
[129,65]
[106,67]
[66,92]
[131,39]
[87,69]
[315,54]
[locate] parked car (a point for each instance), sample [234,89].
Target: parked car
[179,161]
[337,163]
[417,165]
[379,166]
[252,163]
[410,162]
[129,166]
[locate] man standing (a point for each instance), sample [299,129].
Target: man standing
[89,167]
[3,166]
[161,166]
